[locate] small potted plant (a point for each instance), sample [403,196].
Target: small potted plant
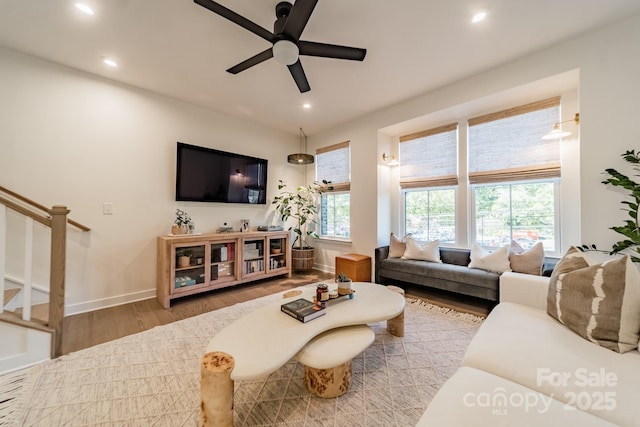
[276,247]
[344,284]
[183,223]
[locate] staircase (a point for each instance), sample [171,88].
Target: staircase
[31,316]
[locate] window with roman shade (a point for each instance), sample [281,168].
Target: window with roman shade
[507,145]
[332,164]
[429,158]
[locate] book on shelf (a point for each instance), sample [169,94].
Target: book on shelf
[302,310]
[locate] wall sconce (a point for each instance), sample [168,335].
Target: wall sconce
[389,159]
[557,131]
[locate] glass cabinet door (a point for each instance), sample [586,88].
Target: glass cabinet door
[277,253]
[189,266]
[253,256]
[223,262]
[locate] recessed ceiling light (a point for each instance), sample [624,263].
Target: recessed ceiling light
[306,106]
[110,62]
[478,17]
[84,9]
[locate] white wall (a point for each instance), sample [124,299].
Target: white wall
[67,137]
[609,90]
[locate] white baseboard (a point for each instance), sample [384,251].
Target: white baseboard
[98,304]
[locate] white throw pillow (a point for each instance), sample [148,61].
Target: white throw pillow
[496,261]
[424,252]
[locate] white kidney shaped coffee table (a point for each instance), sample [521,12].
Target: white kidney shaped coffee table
[264,340]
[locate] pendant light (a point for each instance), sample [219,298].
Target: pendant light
[301,158]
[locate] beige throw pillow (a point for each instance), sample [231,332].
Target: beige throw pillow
[527,262]
[496,261]
[600,302]
[397,246]
[422,251]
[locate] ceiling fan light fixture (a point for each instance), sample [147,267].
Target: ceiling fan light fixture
[285,52]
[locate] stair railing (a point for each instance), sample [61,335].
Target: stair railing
[55,219]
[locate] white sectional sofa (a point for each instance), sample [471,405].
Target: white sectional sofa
[524,368]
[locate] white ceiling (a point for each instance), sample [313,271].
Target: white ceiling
[180,49]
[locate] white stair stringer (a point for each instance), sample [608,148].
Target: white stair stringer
[22,347]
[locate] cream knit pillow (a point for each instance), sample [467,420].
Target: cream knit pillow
[425,252]
[496,261]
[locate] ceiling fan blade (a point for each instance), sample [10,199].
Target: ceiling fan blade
[331,51]
[298,75]
[298,18]
[254,60]
[236,19]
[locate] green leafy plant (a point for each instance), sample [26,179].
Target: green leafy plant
[183,218]
[631,228]
[300,204]
[343,277]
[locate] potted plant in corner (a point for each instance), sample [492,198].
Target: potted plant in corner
[302,206]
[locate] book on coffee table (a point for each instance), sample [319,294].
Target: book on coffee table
[302,310]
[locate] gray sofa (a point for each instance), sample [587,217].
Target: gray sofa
[451,275]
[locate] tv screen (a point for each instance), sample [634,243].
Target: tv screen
[208,175]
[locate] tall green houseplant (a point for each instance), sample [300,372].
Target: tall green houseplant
[631,228]
[301,205]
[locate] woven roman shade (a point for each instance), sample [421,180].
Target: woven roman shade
[429,158]
[507,145]
[333,164]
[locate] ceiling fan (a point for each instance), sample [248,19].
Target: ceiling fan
[287,46]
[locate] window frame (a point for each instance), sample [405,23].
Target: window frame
[403,208]
[557,185]
[334,188]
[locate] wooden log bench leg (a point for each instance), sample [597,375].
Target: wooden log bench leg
[327,359]
[395,326]
[216,390]
[328,383]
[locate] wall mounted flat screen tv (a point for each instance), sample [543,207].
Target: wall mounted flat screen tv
[208,175]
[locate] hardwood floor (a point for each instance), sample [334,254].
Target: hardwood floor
[88,329]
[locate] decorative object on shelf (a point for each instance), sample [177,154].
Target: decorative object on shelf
[245,225]
[631,228]
[184,258]
[225,229]
[276,247]
[301,158]
[183,223]
[302,206]
[344,284]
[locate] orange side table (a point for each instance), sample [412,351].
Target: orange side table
[356,266]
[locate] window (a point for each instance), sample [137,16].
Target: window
[430,214]
[333,165]
[515,174]
[524,212]
[428,178]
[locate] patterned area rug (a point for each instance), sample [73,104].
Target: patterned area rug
[152,378]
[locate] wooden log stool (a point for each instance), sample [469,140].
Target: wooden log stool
[356,266]
[395,326]
[327,359]
[216,390]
